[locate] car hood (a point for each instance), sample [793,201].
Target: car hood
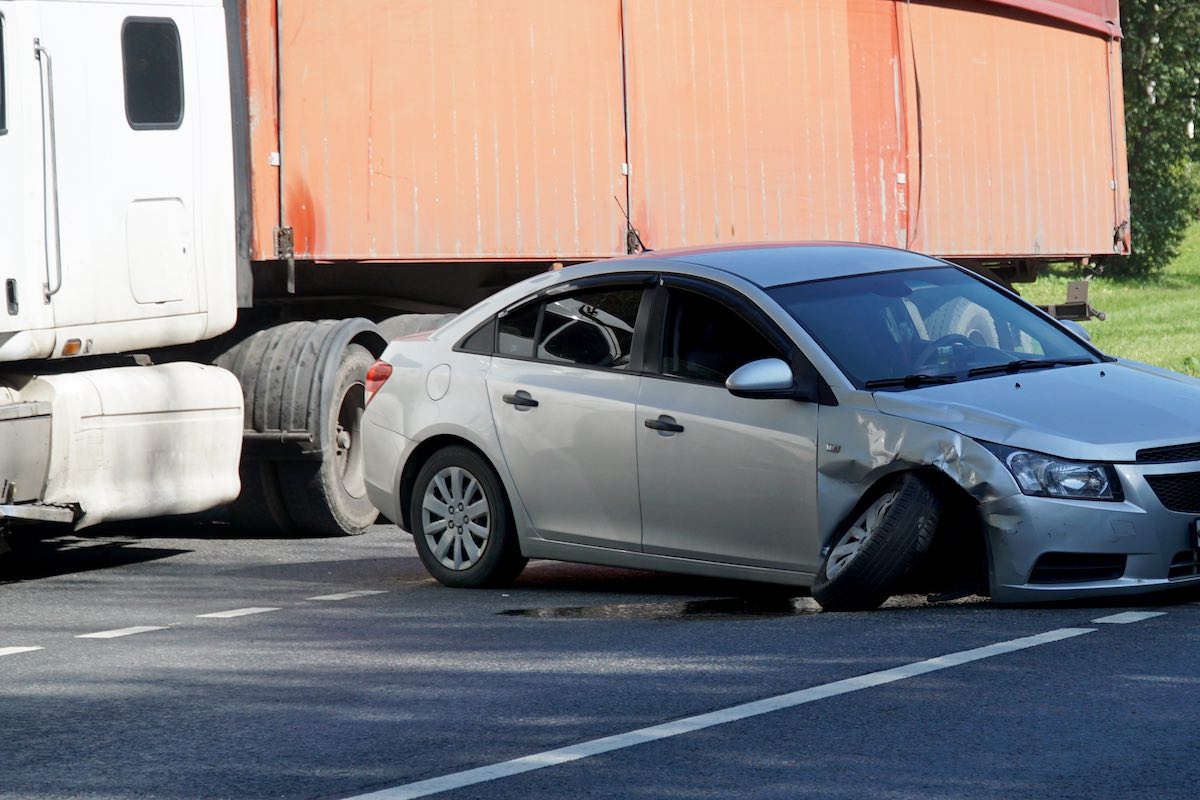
[1102,412]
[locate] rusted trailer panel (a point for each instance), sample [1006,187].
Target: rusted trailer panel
[450,130]
[1017,134]
[764,121]
[472,131]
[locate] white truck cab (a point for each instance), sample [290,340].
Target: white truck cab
[116,236]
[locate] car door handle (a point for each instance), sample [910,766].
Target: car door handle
[521,399]
[665,424]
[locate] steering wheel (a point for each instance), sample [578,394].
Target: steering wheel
[948,340]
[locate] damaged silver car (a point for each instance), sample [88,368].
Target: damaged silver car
[847,418]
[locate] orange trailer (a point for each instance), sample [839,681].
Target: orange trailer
[425,131]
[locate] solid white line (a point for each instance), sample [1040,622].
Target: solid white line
[666,730]
[12,651]
[121,632]
[237,612]
[1127,617]
[349,595]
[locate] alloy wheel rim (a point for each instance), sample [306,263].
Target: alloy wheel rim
[853,540]
[456,518]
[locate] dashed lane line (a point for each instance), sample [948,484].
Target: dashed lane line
[1126,617]
[679,727]
[119,632]
[238,612]
[349,595]
[12,651]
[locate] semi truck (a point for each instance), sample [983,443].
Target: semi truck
[215,213]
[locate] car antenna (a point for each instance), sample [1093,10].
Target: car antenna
[633,240]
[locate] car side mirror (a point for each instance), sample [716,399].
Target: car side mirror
[766,378]
[1077,329]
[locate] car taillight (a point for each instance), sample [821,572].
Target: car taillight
[377,375]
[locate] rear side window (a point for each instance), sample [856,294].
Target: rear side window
[153,74]
[517,331]
[590,329]
[587,328]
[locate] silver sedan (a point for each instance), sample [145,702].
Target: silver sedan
[846,418]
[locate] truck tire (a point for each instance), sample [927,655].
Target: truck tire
[966,319]
[329,497]
[880,546]
[408,324]
[259,508]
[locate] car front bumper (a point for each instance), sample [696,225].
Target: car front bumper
[1044,549]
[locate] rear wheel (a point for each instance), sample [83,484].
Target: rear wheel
[881,545]
[259,508]
[329,497]
[461,521]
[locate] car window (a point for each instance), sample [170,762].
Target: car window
[589,328]
[938,322]
[705,340]
[592,328]
[517,330]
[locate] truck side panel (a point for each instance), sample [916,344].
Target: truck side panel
[468,131]
[450,130]
[262,96]
[1017,138]
[764,121]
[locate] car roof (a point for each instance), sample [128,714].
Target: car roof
[773,264]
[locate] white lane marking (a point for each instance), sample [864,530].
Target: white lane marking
[349,595]
[238,612]
[1126,617]
[121,632]
[666,730]
[12,651]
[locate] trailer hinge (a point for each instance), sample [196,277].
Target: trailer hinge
[285,249]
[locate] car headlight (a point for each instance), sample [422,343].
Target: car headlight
[1047,476]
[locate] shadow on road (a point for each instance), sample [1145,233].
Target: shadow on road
[38,555]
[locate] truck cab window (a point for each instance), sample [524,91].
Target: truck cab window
[3,95]
[153,74]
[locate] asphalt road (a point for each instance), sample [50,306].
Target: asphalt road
[334,668]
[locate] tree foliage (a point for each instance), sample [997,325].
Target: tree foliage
[1161,66]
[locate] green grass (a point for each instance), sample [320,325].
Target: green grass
[1156,320]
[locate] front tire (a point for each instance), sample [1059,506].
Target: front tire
[462,523]
[880,546]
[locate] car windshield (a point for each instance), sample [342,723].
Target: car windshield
[901,330]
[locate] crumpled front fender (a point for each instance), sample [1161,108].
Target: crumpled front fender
[859,446]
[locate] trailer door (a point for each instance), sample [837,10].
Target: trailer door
[22,255]
[752,120]
[455,130]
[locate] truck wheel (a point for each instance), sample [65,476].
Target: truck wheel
[407,324]
[879,548]
[329,497]
[259,507]
[966,319]
[461,522]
